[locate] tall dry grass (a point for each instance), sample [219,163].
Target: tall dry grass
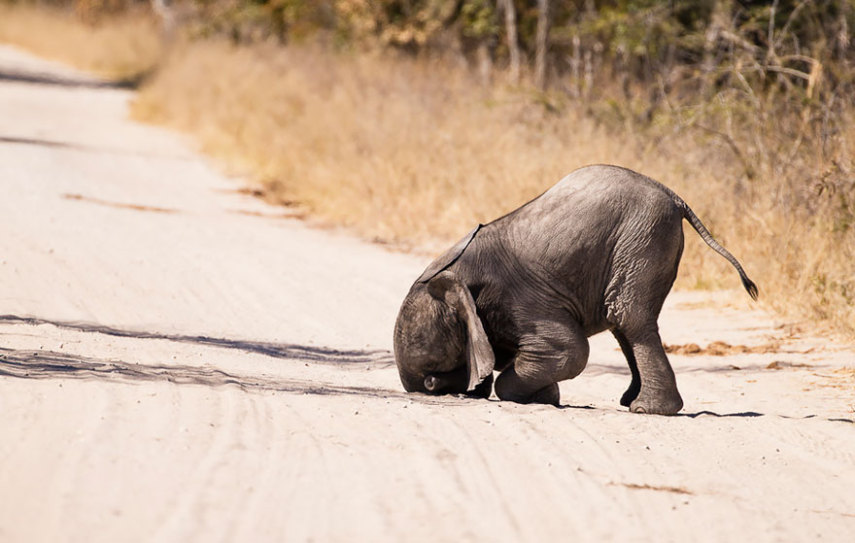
[414,152]
[403,151]
[117,46]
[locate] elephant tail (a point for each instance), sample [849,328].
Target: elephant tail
[702,231]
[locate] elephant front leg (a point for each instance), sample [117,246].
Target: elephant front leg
[657,393]
[520,388]
[483,390]
[557,352]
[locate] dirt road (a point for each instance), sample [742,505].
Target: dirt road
[181,362]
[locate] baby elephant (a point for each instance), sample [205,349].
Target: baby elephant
[521,295]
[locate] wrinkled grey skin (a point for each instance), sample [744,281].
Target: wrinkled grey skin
[521,295]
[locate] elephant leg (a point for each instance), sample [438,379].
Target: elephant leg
[558,351]
[644,271]
[483,390]
[634,385]
[512,386]
[658,392]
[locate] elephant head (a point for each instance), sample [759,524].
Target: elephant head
[440,343]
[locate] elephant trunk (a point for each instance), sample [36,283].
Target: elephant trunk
[440,343]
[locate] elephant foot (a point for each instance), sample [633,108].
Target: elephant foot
[483,390]
[549,395]
[630,395]
[662,404]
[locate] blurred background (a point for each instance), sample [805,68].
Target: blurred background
[408,121]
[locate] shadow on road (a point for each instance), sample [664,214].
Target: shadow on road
[52,364]
[744,414]
[319,355]
[41,142]
[753,414]
[35,78]
[63,145]
[55,365]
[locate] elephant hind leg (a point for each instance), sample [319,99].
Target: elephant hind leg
[635,385]
[658,392]
[557,352]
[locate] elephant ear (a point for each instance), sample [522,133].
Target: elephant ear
[449,257]
[479,354]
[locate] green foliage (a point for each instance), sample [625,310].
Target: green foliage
[644,37]
[479,19]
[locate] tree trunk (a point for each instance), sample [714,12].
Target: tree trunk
[513,42]
[164,12]
[485,63]
[541,43]
[576,68]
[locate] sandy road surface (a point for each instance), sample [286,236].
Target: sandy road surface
[178,362]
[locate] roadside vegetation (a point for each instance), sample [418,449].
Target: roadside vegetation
[122,44]
[411,120]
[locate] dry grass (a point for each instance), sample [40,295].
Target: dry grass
[118,47]
[414,153]
[402,151]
